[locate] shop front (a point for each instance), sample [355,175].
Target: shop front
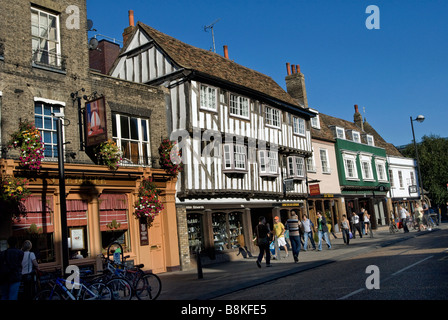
[99,211]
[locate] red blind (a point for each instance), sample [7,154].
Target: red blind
[113,206]
[38,212]
[76,213]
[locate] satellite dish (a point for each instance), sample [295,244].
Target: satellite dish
[93,44]
[89,25]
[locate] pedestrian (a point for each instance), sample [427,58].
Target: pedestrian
[322,231]
[293,227]
[366,220]
[262,233]
[10,270]
[404,218]
[356,225]
[418,213]
[279,231]
[307,225]
[29,269]
[345,227]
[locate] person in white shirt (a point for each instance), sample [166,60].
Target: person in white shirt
[404,218]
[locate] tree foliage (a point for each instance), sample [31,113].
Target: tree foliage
[433,159]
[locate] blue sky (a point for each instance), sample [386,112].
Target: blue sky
[392,73]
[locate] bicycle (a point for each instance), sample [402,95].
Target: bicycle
[59,290]
[430,222]
[144,285]
[393,227]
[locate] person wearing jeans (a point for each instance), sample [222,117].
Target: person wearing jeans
[262,232]
[322,230]
[292,225]
[9,288]
[308,232]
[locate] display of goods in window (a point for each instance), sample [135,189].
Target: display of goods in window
[170,158]
[148,204]
[29,140]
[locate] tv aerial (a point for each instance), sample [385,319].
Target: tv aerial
[210,26]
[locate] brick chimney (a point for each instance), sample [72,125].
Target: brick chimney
[226,52]
[127,32]
[295,84]
[103,58]
[357,118]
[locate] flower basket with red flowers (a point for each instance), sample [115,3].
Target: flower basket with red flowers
[170,158]
[148,204]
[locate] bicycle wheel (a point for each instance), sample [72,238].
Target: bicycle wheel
[121,289]
[97,291]
[47,295]
[148,287]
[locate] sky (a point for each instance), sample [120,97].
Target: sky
[392,73]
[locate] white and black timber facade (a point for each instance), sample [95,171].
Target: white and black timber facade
[244,141]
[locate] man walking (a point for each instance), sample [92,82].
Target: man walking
[279,231]
[322,230]
[293,225]
[308,232]
[356,225]
[404,218]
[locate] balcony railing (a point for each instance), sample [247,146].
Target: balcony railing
[48,59]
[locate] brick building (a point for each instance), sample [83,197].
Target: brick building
[44,72]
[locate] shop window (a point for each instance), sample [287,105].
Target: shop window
[195,231]
[37,226]
[114,220]
[227,230]
[77,228]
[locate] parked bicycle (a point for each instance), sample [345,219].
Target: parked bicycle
[63,289]
[393,226]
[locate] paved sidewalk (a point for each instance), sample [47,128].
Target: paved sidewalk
[232,276]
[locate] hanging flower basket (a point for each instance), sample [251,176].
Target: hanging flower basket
[12,192]
[148,204]
[170,158]
[109,154]
[29,140]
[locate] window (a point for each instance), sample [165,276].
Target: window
[208,98]
[324,161]
[296,167]
[113,217]
[366,170]
[381,170]
[400,179]
[369,140]
[340,133]
[356,136]
[239,106]
[350,168]
[391,177]
[45,38]
[412,178]
[47,124]
[298,125]
[132,136]
[227,230]
[315,123]
[235,157]
[310,164]
[272,117]
[268,162]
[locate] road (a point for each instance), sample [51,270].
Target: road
[415,269]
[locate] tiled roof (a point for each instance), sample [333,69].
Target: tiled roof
[210,63]
[327,121]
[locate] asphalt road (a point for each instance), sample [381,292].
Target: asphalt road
[415,269]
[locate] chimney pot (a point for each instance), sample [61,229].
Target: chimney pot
[288,68]
[131,18]
[356,108]
[294,69]
[226,52]
[298,68]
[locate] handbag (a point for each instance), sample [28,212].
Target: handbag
[400,225]
[350,234]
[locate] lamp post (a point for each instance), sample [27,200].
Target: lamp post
[420,119]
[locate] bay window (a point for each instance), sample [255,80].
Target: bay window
[235,157]
[268,163]
[296,167]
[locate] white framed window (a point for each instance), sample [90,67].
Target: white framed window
[400,179]
[235,157]
[412,176]
[46,122]
[370,140]
[391,178]
[356,136]
[296,167]
[381,169]
[350,167]
[315,123]
[324,161]
[298,125]
[131,133]
[268,162]
[310,163]
[340,133]
[239,106]
[209,98]
[366,166]
[272,117]
[45,38]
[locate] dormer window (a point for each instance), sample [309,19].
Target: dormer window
[369,139]
[315,123]
[340,133]
[356,137]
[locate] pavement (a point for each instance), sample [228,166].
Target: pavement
[227,277]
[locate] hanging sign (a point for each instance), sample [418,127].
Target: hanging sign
[95,122]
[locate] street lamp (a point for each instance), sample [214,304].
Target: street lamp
[420,119]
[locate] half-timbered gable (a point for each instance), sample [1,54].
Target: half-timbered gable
[241,135]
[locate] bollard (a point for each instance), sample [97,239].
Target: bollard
[199,264]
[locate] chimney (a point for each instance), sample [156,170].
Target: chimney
[288,68]
[127,32]
[357,118]
[226,52]
[103,58]
[295,85]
